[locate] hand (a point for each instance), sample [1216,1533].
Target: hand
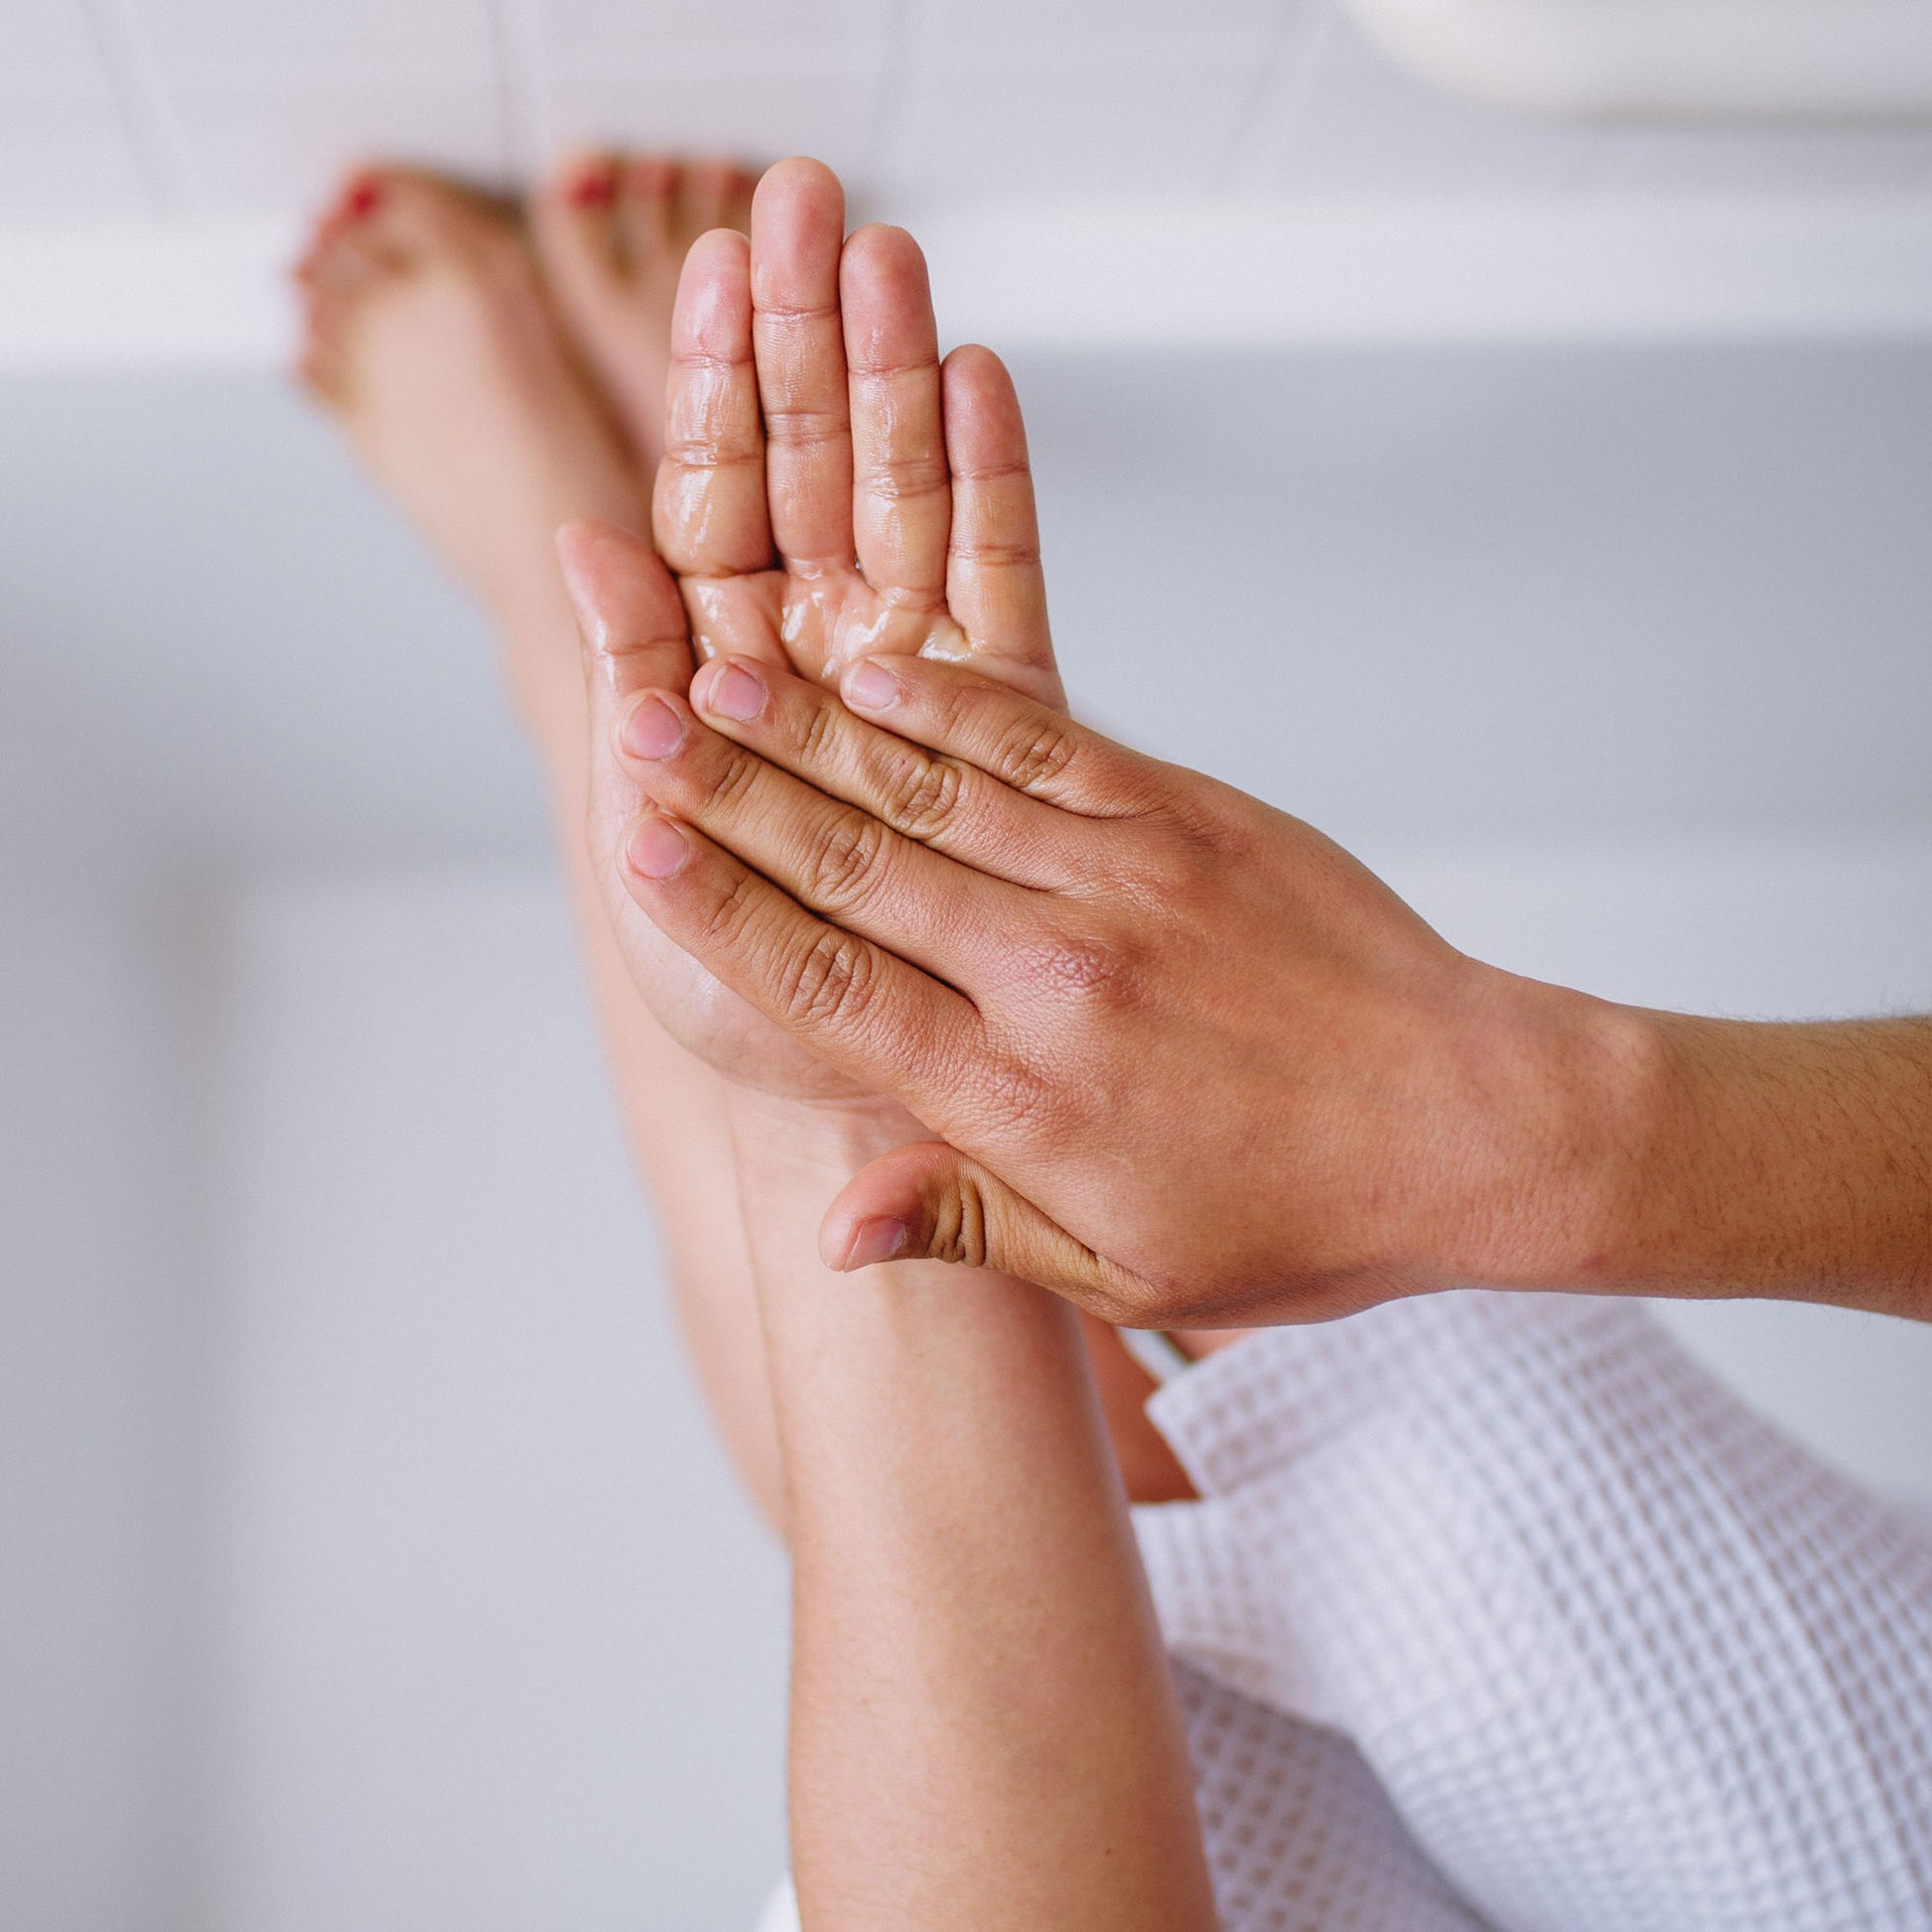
[1194,1064]
[829,489]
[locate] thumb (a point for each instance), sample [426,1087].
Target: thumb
[929,1202]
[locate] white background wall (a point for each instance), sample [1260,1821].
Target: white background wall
[498,1642]
[366,1560]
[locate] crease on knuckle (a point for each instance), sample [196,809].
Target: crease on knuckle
[800,426]
[959,1223]
[1035,752]
[848,862]
[723,926]
[727,786]
[713,361]
[817,732]
[902,479]
[922,796]
[889,370]
[792,313]
[1123,1298]
[986,554]
[1001,470]
[830,983]
[719,450]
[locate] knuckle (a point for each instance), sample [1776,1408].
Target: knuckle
[713,448]
[829,983]
[847,862]
[722,927]
[923,795]
[985,553]
[906,479]
[799,427]
[1109,1304]
[1127,1301]
[959,1223]
[1102,977]
[1035,751]
[1202,830]
[731,780]
[1009,1096]
[817,731]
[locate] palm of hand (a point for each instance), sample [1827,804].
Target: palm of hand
[814,623]
[827,492]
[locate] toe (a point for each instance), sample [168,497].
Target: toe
[323,359]
[738,201]
[588,183]
[410,216]
[717,195]
[573,222]
[707,195]
[349,262]
[648,203]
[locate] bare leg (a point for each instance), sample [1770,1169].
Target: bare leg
[984,1728]
[432,340]
[457,371]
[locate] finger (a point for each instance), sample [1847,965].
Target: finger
[870,1014]
[628,612]
[929,1202]
[942,802]
[797,230]
[709,508]
[994,584]
[1031,747]
[826,854]
[902,504]
[634,631]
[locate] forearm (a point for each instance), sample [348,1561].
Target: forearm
[983,1724]
[1790,1161]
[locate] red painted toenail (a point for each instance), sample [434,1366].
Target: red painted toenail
[363,195]
[594,187]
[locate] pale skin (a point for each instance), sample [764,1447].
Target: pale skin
[983,1728]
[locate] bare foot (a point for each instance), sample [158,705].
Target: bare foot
[431,339]
[612,232]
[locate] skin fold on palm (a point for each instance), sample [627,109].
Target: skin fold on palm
[830,490]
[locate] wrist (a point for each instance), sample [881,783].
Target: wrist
[1577,1141]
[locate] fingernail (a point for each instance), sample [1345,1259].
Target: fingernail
[595,186]
[870,687]
[875,1241]
[653,730]
[657,849]
[735,693]
[363,195]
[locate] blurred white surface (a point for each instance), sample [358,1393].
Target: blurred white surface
[1771,60]
[500,1641]
[1252,171]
